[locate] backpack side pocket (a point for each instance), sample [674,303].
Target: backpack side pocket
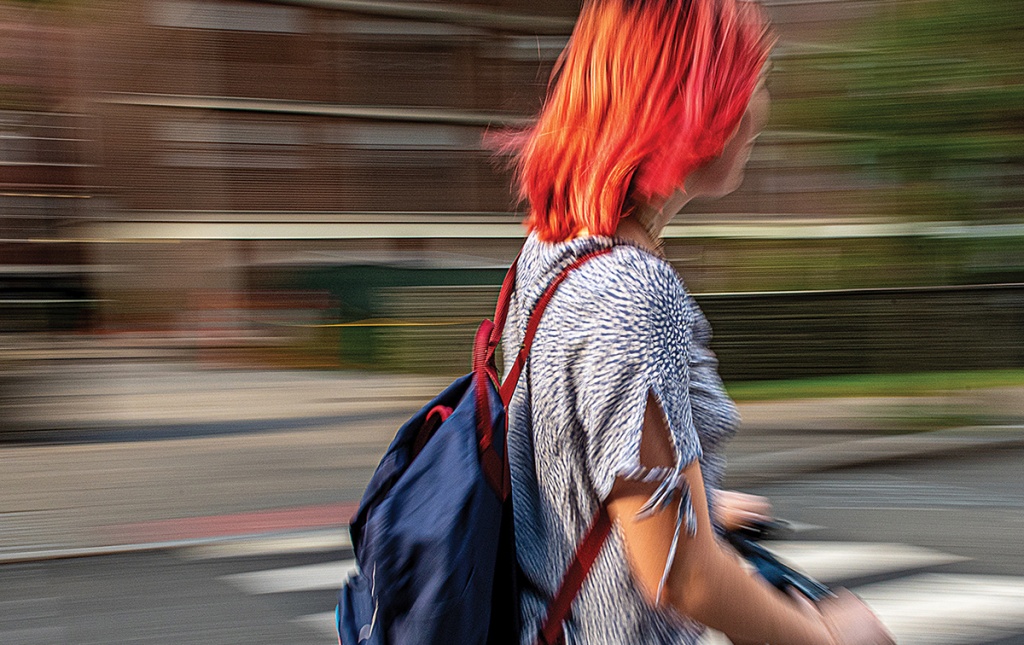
[357,613]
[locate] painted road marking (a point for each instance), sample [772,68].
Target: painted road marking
[311,577]
[237,525]
[307,542]
[947,609]
[922,609]
[835,561]
[942,609]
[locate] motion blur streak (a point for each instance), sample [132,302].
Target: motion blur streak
[240,240]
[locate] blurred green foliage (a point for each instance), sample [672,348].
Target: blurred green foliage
[929,95]
[887,385]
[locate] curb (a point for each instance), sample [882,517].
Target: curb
[752,470]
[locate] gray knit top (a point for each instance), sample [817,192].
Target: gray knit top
[619,327]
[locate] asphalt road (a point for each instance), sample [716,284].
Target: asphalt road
[972,506]
[934,545]
[135,448]
[162,597]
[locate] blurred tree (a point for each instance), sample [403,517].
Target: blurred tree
[930,94]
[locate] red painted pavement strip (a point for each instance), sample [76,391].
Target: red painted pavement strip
[236,524]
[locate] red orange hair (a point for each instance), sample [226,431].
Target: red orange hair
[645,92]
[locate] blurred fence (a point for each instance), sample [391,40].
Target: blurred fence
[766,335]
[449,318]
[788,335]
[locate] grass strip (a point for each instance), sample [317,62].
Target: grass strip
[856,385]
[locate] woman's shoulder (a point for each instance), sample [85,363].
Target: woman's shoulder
[630,280]
[627,297]
[627,272]
[642,265]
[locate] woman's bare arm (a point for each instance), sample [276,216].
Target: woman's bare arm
[707,582]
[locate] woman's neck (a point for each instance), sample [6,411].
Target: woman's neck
[642,232]
[645,225]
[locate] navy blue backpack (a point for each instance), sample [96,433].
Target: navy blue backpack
[433,536]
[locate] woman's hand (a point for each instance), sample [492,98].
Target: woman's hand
[736,510]
[848,620]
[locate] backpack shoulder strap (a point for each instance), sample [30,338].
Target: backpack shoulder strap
[550,631]
[501,313]
[586,554]
[495,465]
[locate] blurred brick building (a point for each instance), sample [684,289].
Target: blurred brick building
[44,139]
[163,150]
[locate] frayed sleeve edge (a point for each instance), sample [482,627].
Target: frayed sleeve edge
[672,484]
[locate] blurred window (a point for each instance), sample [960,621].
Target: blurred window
[232,144]
[28,217]
[514,71]
[403,136]
[402,30]
[393,62]
[192,14]
[396,166]
[15,147]
[531,48]
[29,138]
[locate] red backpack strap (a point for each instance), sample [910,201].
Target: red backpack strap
[495,467]
[501,309]
[509,385]
[586,554]
[551,631]
[488,336]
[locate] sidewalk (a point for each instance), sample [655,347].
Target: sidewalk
[161,453]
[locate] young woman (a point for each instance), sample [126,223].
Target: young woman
[654,102]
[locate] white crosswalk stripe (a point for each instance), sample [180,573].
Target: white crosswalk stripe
[920,608]
[307,542]
[311,577]
[923,609]
[314,577]
[834,561]
[942,609]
